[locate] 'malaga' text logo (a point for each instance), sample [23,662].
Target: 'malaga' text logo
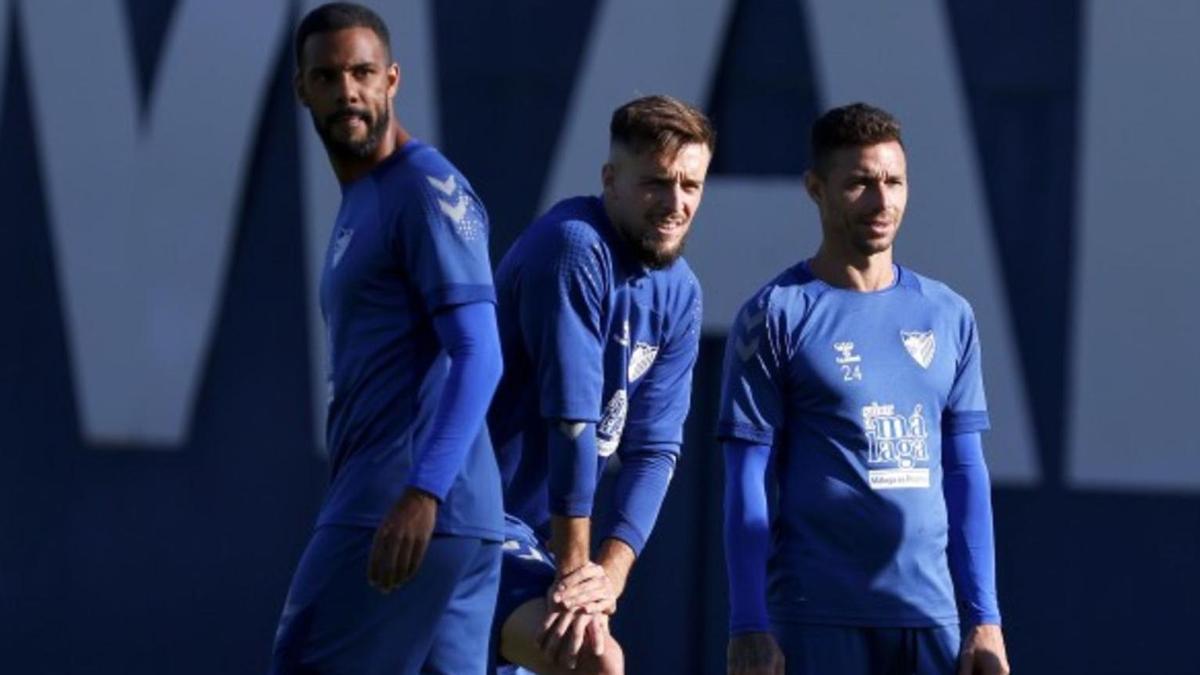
[898,447]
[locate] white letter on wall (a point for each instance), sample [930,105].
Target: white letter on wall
[142,214]
[1135,359]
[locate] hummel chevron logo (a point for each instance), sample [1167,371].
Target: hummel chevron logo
[753,321]
[456,211]
[446,187]
[745,348]
[744,344]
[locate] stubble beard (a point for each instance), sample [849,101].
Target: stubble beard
[352,150]
[647,248]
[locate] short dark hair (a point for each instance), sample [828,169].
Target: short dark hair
[851,126]
[335,16]
[662,124]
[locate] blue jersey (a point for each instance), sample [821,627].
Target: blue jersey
[589,334]
[853,391]
[410,238]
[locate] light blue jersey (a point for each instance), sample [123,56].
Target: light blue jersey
[854,391]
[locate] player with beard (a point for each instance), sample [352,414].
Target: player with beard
[599,324]
[403,566]
[854,385]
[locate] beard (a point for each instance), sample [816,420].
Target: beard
[649,250]
[354,150]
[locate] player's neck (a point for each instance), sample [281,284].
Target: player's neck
[349,169]
[854,272]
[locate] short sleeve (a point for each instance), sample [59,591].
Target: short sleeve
[966,406]
[442,239]
[753,379]
[561,298]
[660,405]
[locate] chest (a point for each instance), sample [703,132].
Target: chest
[637,327]
[855,355]
[359,266]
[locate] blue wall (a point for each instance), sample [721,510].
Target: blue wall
[136,558]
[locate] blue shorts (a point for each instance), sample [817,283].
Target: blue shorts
[526,572]
[813,648]
[335,622]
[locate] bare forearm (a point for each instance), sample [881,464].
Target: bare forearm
[570,542]
[617,558]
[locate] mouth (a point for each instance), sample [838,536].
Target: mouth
[349,119]
[879,227]
[669,227]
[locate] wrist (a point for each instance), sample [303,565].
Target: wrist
[617,558]
[420,496]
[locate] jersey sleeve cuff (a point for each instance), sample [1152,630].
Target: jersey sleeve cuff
[628,534]
[739,431]
[746,625]
[459,294]
[573,508]
[965,422]
[429,486]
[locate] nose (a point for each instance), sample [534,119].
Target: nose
[876,197]
[675,198]
[347,92]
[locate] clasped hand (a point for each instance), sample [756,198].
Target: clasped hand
[578,605]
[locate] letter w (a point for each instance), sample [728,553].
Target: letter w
[142,207]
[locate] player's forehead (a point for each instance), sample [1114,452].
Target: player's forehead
[344,47]
[875,160]
[689,159]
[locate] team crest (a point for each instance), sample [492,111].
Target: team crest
[641,359]
[612,424]
[920,346]
[340,243]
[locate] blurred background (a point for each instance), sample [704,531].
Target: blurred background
[166,206]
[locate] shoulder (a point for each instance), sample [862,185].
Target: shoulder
[566,235]
[940,294]
[678,294]
[788,297]
[422,170]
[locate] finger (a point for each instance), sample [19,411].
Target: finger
[570,583]
[416,555]
[965,663]
[590,591]
[574,641]
[398,560]
[547,622]
[381,553]
[599,634]
[555,634]
[589,570]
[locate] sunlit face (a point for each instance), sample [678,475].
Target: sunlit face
[347,81]
[861,197]
[651,198]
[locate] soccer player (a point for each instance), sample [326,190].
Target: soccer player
[599,324]
[401,573]
[857,383]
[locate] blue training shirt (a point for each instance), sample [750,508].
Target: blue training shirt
[590,334]
[410,239]
[853,391]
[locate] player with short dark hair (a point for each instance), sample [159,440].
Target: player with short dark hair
[401,573]
[856,382]
[600,324]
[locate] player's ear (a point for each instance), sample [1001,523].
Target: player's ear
[393,76]
[607,175]
[813,185]
[298,86]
